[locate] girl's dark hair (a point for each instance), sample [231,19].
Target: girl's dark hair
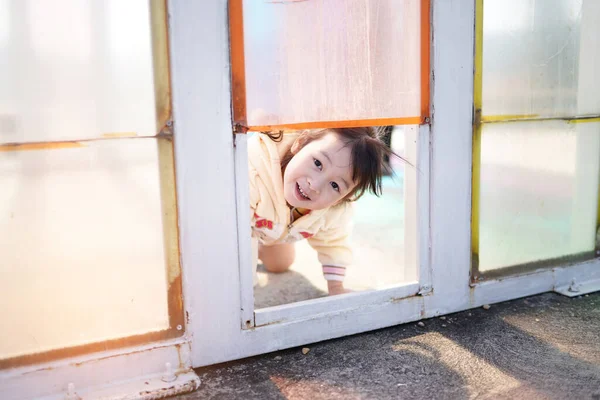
[368,156]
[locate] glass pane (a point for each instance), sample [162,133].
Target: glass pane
[539,191]
[382,255]
[75,69]
[331,60]
[81,238]
[541,58]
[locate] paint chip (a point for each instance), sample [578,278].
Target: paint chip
[305,350]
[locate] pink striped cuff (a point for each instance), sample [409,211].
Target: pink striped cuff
[332,273]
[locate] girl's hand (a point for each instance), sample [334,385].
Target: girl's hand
[336,287]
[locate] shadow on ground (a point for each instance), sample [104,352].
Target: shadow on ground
[543,347]
[288,287]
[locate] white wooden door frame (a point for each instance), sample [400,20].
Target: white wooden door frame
[209,170]
[144,371]
[215,255]
[303,310]
[215,244]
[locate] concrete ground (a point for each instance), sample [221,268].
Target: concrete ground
[542,347]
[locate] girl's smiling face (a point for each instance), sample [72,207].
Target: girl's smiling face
[320,173]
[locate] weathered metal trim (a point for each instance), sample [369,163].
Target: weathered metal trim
[166,162]
[527,268]
[160,58]
[69,144]
[476,152]
[577,119]
[135,373]
[113,344]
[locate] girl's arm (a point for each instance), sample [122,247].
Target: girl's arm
[332,244]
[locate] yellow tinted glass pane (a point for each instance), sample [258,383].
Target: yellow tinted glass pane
[81,238]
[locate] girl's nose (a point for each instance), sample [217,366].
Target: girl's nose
[314,185]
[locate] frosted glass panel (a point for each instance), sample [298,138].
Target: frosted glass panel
[539,191]
[331,60]
[75,69]
[81,239]
[541,57]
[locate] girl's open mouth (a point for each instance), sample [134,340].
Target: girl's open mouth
[301,195]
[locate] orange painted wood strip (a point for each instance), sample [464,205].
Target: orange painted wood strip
[238,63]
[425,56]
[340,124]
[238,77]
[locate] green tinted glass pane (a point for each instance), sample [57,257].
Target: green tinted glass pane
[539,191]
[540,58]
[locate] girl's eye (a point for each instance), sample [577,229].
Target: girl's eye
[335,186]
[318,163]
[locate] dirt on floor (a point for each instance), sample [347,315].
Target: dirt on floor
[542,347]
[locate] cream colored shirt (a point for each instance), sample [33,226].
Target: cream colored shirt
[327,231]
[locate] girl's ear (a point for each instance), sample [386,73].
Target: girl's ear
[296,145]
[299,143]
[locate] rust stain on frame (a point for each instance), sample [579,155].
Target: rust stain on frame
[111,344]
[238,65]
[170,222]
[166,163]
[160,59]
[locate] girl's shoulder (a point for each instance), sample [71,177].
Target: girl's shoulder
[261,144]
[340,214]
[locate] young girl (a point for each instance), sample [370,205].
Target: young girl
[301,186]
